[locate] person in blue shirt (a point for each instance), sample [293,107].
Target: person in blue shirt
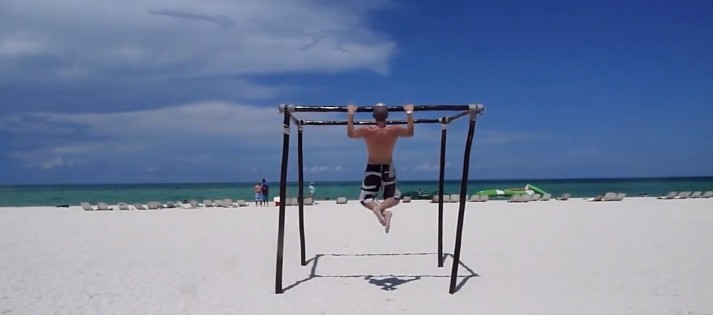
[265,192]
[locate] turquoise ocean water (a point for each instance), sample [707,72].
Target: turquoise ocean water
[52,195]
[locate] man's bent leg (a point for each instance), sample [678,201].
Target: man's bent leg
[388,203]
[376,209]
[369,188]
[392,196]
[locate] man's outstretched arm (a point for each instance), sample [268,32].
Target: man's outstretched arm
[351,131]
[408,131]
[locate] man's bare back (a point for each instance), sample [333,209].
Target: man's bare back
[380,143]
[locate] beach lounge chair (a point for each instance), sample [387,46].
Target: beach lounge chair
[123,206]
[454,198]
[596,198]
[696,194]
[228,203]
[406,199]
[446,198]
[683,195]
[140,207]
[707,194]
[153,205]
[103,206]
[208,203]
[86,206]
[670,195]
[484,198]
[609,196]
[620,196]
[546,197]
[308,201]
[341,200]
[474,198]
[535,197]
[515,198]
[564,197]
[241,203]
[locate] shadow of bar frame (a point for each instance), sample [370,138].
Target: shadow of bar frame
[471,110]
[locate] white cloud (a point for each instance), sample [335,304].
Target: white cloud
[497,137]
[205,134]
[328,168]
[427,166]
[318,168]
[189,133]
[57,162]
[199,119]
[18,46]
[87,39]
[45,162]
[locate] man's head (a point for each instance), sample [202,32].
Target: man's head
[381,113]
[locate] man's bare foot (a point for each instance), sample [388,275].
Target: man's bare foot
[387,220]
[379,215]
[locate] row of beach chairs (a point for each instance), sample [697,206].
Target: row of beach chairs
[535,197]
[514,198]
[610,196]
[686,195]
[453,198]
[153,205]
[193,204]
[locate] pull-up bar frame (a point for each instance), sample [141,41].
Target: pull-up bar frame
[287,111]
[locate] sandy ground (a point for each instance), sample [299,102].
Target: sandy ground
[637,256]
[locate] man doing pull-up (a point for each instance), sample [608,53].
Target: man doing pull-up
[380,141]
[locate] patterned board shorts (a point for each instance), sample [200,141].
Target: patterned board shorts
[377,177]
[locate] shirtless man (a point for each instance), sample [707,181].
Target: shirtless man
[380,141]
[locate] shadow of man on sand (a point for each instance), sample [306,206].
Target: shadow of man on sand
[385,282]
[390,283]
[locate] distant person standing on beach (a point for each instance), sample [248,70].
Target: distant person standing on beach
[258,193]
[312,190]
[380,141]
[265,192]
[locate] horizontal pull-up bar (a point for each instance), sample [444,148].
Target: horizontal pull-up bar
[366,122]
[320,108]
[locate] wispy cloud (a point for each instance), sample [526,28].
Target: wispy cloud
[328,168]
[220,20]
[157,39]
[180,132]
[498,137]
[430,166]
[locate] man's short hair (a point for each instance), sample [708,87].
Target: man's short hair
[381,113]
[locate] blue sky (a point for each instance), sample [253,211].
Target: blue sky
[187,91]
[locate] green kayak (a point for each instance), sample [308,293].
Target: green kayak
[425,195]
[508,192]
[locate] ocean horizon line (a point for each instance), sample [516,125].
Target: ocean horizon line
[448,180]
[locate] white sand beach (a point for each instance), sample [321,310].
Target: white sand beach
[636,256]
